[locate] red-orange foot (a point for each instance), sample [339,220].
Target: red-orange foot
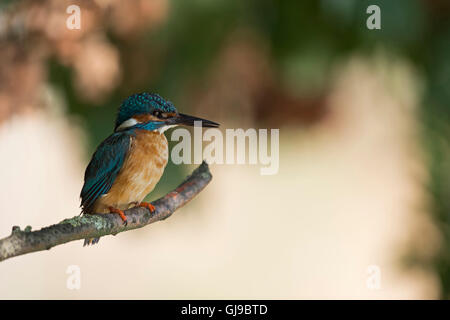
[120,213]
[147,205]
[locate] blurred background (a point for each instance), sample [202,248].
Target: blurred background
[364,178]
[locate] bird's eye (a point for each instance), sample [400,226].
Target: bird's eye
[157,113]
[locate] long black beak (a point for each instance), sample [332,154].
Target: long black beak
[189,121]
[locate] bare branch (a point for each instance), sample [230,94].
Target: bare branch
[97,225]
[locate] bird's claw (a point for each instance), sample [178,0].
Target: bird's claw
[120,213]
[148,205]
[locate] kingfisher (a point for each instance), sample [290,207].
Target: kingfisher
[128,164]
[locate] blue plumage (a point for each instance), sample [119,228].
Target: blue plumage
[110,155]
[104,167]
[134,155]
[143,103]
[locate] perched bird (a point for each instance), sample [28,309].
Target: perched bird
[129,163]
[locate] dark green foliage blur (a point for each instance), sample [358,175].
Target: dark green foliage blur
[304,39]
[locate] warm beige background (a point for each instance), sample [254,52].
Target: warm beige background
[348,195]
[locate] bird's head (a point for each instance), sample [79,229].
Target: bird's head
[151,112]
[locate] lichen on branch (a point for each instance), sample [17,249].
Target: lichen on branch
[98,225]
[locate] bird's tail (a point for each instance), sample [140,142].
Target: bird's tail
[91,241]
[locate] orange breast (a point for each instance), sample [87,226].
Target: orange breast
[139,174]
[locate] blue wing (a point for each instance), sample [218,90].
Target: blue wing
[103,168]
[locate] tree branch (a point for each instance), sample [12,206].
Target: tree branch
[97,225]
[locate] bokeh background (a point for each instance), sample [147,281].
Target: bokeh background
[364,176]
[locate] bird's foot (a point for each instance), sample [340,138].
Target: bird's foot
[147,205]
[120,213]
